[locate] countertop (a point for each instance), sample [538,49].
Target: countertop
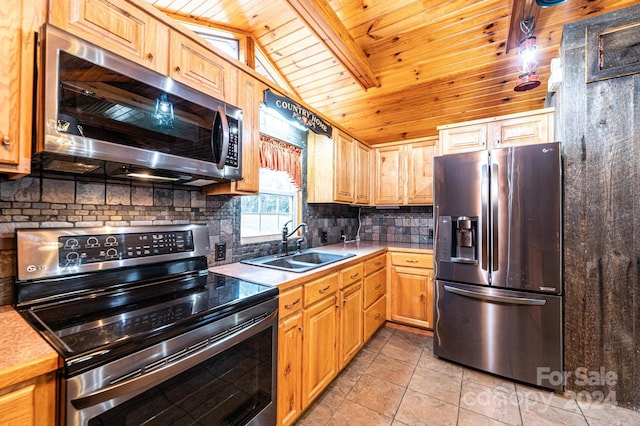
[283,279]
[23,353]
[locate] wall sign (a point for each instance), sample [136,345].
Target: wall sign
[291,110]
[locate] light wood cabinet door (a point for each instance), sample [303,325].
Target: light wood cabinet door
[18,21]
[31,403]
[351,326]
[290,368]
[118,26]
[420,173]
[199,68]
[363,174]
[389,175]
[463,139]
[344,164]
[374,317]
[412,296]
[375,286]
[320,358]
[527,130]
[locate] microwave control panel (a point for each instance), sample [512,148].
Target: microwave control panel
[84,249]
[233,153]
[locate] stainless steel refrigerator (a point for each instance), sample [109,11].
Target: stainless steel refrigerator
[498,262]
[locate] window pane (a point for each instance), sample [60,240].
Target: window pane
[268,203]
[250,225]
[270,222]
[249,204]
[284,204]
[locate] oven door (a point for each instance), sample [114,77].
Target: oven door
[220,373]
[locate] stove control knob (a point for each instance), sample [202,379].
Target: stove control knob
[92,242]
[111,241]
[112,253]
[72,257]
[71,243]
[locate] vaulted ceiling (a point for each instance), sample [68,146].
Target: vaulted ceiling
[390,70]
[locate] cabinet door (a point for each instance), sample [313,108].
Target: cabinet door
[374,317]
[350,323]
[250,97]
[11,51]
[29,403]
[344,163]
[117,26]
[289,369]
[472,137]
[363,174]
[389,175]
[527,130]
[411,296]
[420,173]
[320,359]
[196,66]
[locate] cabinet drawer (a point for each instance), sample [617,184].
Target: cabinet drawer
[374,317]
[320,288]
[290,302]
[351,275]
[374,264]
[375,286]
[416,260]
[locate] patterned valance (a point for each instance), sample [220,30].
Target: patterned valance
[279,155]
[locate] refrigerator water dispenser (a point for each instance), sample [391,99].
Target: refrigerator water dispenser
[459,238]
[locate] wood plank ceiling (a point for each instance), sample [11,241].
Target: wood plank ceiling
[435,61]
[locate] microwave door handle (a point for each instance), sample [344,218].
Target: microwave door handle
[224,124]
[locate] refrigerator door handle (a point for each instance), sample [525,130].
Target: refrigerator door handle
[495,188]
[499,299]
[485,212]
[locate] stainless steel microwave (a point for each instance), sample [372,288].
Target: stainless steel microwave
[105,115]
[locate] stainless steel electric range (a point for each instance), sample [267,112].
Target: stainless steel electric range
[146,334]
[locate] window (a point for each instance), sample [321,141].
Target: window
[263,216]
[226,41]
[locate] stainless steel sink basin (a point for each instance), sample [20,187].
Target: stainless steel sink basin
[299,262]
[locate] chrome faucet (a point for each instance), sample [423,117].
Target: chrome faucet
[286,234]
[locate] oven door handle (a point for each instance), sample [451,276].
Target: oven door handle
[148,380]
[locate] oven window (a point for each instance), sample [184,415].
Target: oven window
[228,389]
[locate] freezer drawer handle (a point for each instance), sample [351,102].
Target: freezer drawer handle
[500,299]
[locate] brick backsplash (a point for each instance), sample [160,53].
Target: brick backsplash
[57,202]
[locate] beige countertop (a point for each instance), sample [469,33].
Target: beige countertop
[23,353]
[283,279]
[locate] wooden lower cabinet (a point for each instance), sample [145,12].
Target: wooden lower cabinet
[375,317]
[411,288]
[319,356]
[350,322]
[31,402]
[289,368]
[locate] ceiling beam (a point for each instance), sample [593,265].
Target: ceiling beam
[521,9]
[324,22]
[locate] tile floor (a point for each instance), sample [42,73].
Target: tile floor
[396,380]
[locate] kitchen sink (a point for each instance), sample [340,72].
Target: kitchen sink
[299,262]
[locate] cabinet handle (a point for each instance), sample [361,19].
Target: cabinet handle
[412,261]
[378,263]
[324,290]
[377,316]
[355,275]
[377,287]
[344,301]
[292,304]
[177,69]
[6,140]
[300,328]
[150,56]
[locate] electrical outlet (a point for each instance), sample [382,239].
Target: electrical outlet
[323,237]
[221,251]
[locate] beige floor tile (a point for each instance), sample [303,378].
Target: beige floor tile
[352,414]
[428,360]
[396,348]
[528,395]
[377,394]
[539,414]
[391,369]
[487,380]
[469,418]
[494,402]
[608,413]
[344,383]
[410,338]
[361,362]
[420,409]
[437,384]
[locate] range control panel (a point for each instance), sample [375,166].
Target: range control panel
[86,249]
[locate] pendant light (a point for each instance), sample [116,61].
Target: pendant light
[527,77]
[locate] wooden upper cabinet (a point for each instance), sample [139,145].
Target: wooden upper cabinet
[344,164]
[18,22]
[117,26]
[510,130]
[338,170]
[420,172]
[403,173]
[197,67]
[363,174]
[389,176]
